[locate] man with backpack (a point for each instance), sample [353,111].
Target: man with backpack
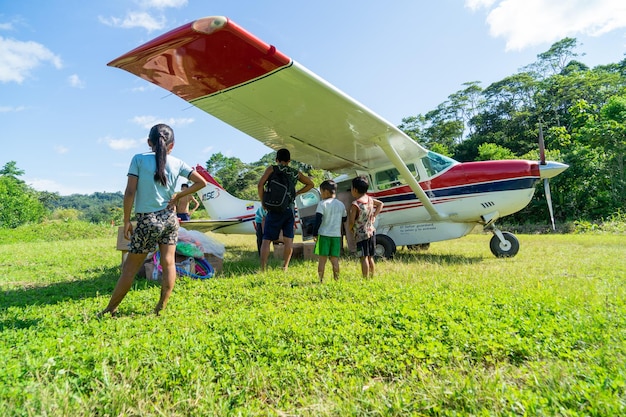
[277,193]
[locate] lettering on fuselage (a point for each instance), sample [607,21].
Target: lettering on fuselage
[210,195]
[415,228]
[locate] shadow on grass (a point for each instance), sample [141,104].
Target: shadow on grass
[18,324]
[243,261]
[50,294]
[436,258]
[240,261]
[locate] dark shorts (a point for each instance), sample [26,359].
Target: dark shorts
[183,216]
[275,222]
[158,228]
[366,247]
[328,246]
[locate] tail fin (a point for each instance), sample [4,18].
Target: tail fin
[220,204]
[202,171]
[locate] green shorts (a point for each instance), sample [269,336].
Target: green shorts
[328,246]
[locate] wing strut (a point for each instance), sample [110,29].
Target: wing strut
[393,156]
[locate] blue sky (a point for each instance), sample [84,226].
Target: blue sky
[72,123]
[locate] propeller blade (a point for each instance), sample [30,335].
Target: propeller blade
[542,147]
[546,187]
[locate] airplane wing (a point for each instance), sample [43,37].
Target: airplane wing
[224,70]
[207,225]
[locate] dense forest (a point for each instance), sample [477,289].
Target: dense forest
[582,112]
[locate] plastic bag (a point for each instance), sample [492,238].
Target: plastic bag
[202,241]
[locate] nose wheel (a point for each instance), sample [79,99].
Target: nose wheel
[503,244]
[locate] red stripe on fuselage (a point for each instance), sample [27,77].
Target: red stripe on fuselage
[468,173]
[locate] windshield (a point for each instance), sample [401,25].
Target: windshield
[435,163]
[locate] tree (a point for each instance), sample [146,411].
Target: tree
[582,110]
[227,171]
[18,202]
[492,152]
[11,169]
[606,132]
[555,59]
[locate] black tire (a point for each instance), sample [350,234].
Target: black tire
[385,247]
[507,250]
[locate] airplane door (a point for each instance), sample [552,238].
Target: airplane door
[307,205]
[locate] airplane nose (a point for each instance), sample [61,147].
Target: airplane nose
[551,169]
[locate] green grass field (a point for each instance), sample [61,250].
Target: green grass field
[450,331]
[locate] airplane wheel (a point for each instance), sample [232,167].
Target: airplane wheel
[385,247]
[505,249]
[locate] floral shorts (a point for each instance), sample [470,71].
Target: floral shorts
[158,228]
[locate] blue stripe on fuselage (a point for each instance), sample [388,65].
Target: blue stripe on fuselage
[486,187]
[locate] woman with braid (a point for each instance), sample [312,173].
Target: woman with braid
[151,184]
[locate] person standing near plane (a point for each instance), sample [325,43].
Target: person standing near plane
[259,221]
[330,215]
[275,221]
[363,212]
[182,207]
[150,187]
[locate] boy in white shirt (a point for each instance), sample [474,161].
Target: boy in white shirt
[330,215]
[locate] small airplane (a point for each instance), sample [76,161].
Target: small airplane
[221,68]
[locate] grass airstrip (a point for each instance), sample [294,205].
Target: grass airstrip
[449,331]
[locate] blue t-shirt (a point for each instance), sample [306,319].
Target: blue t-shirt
[259,214]
[151,195]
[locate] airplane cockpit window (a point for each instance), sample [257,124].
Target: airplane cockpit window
[435,163]
[391,177]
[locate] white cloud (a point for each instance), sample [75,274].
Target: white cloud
[135,20]
[162,4]
[143,88]
[478,4]
[525,23]
[51,186]
[60,149]
[145,121]
[143,19]
[6,26]
[75,81]
[20,58]
[10,109]
[148,121]
[122,144]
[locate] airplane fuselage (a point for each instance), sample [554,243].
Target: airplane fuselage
[466,194]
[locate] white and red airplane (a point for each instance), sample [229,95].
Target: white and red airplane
[229,73]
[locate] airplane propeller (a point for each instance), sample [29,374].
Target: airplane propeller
[545,167]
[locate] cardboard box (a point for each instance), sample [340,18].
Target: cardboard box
[309,251]
[279,249]
[122,243]
[300,251]
[216,262]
